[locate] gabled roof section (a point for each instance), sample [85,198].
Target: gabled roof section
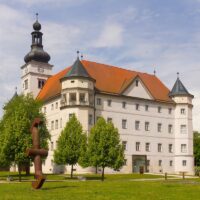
[109,79]
[179,89]
[52,87]
[140,91]
[77,70]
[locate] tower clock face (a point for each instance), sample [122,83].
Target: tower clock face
[40,69]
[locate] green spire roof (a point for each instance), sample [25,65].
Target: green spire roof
[179,89]
[78,70]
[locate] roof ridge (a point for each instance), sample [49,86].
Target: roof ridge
[118,67]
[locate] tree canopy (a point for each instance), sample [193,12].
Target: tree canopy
[197,148]
[70,142]
[15,136]
[104,146]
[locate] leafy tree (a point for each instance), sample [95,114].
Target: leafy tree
[104,146]
[197,148]
[15,136]
[70,144]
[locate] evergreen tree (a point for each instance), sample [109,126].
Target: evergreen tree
[104,146]
[70,143]
[15,136]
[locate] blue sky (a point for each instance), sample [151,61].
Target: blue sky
[141,35]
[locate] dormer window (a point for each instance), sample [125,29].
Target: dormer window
[136,83]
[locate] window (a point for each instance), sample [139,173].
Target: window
[82,97]
[63,98]
[146,107]
[124,144]
[41,83]
[124,123]
[52,107]
[159,109]
[56,124]
[90,120]
[109,102]
[137,106]
[70,115]
[51,146]
[98,101]
[182,111]
[123,104]
[169,111]
[72,97]
[136,83]
[52,125]
[170,163]
[160,163]
[159,147]
[26,84]
[137,146]
[60,122]
[45,110]
[169,128]
[170,148]
[56,105]
[183,129]
[109,119]
[183,148]
[125,161]
[147,147]
[146,126]
[184,162]
[159,127]
[137,125]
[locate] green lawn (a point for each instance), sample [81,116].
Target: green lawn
[115,187]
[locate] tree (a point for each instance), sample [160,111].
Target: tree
[15,136]
[70,143]
[104,146]
[197,148]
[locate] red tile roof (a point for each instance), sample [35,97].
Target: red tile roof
[109,79]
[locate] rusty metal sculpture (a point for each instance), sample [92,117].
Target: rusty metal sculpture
[37,153]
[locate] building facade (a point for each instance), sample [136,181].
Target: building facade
[155,124]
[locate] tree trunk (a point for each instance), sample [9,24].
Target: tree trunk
[96,169]
[102,176]
[72,171]
[19,171]
[27,168]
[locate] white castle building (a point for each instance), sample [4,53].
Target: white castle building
[155,124]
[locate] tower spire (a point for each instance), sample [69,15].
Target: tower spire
[36,15]
[37,53]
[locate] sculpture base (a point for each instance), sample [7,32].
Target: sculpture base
[39,182]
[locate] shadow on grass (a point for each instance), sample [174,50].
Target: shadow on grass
[58,187]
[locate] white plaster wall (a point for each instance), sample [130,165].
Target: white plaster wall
[117,113]
[77,83]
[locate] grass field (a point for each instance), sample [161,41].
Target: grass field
[115,187]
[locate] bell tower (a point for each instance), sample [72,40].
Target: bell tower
[36,69]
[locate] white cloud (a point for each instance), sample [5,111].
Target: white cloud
[111,36]
[55,3]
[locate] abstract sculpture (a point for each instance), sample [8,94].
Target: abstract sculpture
[37,153]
